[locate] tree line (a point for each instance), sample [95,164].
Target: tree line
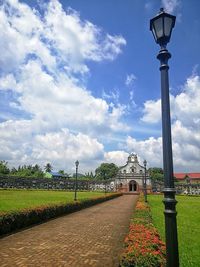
[105,171]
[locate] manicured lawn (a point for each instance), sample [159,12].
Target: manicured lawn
[12,200]
[188,220]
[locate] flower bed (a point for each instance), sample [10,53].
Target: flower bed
[143,246]
[17,220]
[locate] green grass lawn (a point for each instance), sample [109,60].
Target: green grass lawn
[188,220]
[12,200]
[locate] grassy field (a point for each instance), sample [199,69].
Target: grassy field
[12,200]
[188,220]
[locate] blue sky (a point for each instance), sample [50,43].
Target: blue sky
[80,80]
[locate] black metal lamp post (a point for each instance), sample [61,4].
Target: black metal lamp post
[75,193]
[161,27]
[104,176]
[188,182]
[145,180]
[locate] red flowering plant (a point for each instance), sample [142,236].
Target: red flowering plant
[143,246]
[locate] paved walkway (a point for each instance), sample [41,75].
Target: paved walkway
[90,237]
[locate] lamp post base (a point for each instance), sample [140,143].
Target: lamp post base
[171,227]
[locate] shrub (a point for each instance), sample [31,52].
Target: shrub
[17,220]
[143,246]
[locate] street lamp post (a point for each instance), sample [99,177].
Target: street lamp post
[104,176]
[161,27]
[145,180]
[75,193]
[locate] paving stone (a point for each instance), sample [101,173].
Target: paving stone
[90,237]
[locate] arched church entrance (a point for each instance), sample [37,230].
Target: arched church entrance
[132,186]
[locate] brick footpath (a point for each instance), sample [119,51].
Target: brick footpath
[90,237]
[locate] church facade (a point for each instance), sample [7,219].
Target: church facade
[131,177]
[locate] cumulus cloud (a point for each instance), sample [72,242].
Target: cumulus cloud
[60,38]
[118,157]
[62,102]
[184,106]
[152,111]
[149,149]
[185,110]
[44,59]
[22,143]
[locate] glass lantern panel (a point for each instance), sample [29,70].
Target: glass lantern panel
[158,27]
[167,26]
[154,34]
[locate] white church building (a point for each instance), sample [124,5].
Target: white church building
[130,177]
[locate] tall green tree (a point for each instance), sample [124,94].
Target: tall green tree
[48,167]
[4,170]
[61,172]
[156,173]
[28,171]
[106,171]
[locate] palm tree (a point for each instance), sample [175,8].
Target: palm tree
[48,167]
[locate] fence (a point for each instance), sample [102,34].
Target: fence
[55,184]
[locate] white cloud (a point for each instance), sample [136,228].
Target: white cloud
[44,60]
[149,149]
[76,40]
[129,82]
[130,78]
[118,157]
[112,95]
[64,148]
[152,111]
[59,39]
[20,143]
[184,106]
[62,103]
[185,110]
[170,5]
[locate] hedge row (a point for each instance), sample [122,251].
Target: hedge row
[16,220]
[143,245]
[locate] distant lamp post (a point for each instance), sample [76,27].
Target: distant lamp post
[188,184]
[104,176]
[75,193]
[145,180]
[161,27]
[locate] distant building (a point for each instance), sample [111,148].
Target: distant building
[130,177]
[190,177]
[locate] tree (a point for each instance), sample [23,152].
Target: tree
[106,171]
[28,171]
[156,173]
[88,176]
[61,172]
[37,171]
[4,170]
[13,170]
[48,167]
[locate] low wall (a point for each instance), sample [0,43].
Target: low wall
[181,188]
[54,184]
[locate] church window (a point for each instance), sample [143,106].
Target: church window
[133,169]
[124,171]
